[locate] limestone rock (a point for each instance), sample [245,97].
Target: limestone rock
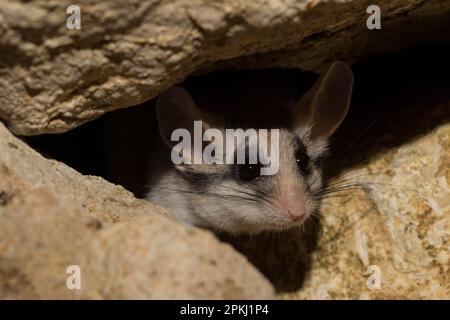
[53,79]
[52,217]
[399,230]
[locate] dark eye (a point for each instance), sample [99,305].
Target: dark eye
[249,172]
[303,161]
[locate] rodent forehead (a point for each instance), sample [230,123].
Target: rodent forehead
[288,144]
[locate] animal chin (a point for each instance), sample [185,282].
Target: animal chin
[281,222]
[281,226]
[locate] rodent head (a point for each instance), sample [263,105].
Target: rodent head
[236,198]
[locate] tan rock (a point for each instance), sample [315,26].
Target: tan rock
[53,79]
[52,217]
[401,228]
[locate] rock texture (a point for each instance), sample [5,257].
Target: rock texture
[52,217]
[400,225]
[53,79]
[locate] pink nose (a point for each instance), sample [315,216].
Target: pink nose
[292,206]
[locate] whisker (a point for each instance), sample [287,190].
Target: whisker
[237,197]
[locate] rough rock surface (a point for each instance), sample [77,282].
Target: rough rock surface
[400,225]
[52,217]
[53,79]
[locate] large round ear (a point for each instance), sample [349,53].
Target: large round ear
[325,106]
[175,109]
